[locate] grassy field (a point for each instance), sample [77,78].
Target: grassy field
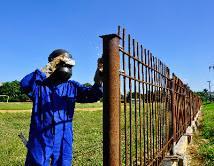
[87,136]
[28,105]
[207,149]
[15,106]
[87,133]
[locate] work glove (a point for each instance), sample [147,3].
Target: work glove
[98,77]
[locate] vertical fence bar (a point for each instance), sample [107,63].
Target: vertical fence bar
[125,99]
[140,98]
[120,101]
[135,99]
[111,99]
[173,112]
[146,110]
[152,102]
[156,107]
[161,107]
[130,101]
[143,109]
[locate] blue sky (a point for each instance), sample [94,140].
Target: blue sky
[180,33]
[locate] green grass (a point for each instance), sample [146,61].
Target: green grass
[89,105]
[28,105]
[207,149]
[15,106]
[87,138]
[12,150]
[87,134]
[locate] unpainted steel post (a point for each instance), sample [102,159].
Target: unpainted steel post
[111,100]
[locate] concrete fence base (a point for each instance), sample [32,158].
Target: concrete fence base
[180,157]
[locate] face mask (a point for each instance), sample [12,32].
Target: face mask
[61,74]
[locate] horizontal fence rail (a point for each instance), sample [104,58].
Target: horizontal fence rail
[152,109]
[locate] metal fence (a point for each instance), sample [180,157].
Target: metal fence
[185,107]
[145,111]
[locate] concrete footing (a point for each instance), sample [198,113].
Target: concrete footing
[180,157]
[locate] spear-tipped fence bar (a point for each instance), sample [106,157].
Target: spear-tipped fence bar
[145,111]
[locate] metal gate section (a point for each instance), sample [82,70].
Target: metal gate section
[144,109]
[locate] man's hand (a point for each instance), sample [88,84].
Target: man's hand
[98,78]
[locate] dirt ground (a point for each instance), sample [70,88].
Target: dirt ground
[195,158]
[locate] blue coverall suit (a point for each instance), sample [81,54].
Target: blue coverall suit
[51,133]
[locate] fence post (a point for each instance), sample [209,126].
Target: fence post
[173,112]
[111,99]
[184,110]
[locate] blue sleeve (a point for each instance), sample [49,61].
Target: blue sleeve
[28,83]
[88,94]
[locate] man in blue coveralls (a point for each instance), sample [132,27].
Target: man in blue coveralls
[54,97]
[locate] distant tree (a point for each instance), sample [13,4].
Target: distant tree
[87,84]
[133,95]
[205,91]
[12,89]
[203,95]
[206,95]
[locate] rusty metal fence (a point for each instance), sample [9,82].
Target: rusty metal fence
[185,107]
[145,111]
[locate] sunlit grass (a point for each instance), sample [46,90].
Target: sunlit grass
[87,138]
[28,105]
[207,149]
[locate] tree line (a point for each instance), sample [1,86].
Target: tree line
[206,96]
[158,96]
[13,90]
